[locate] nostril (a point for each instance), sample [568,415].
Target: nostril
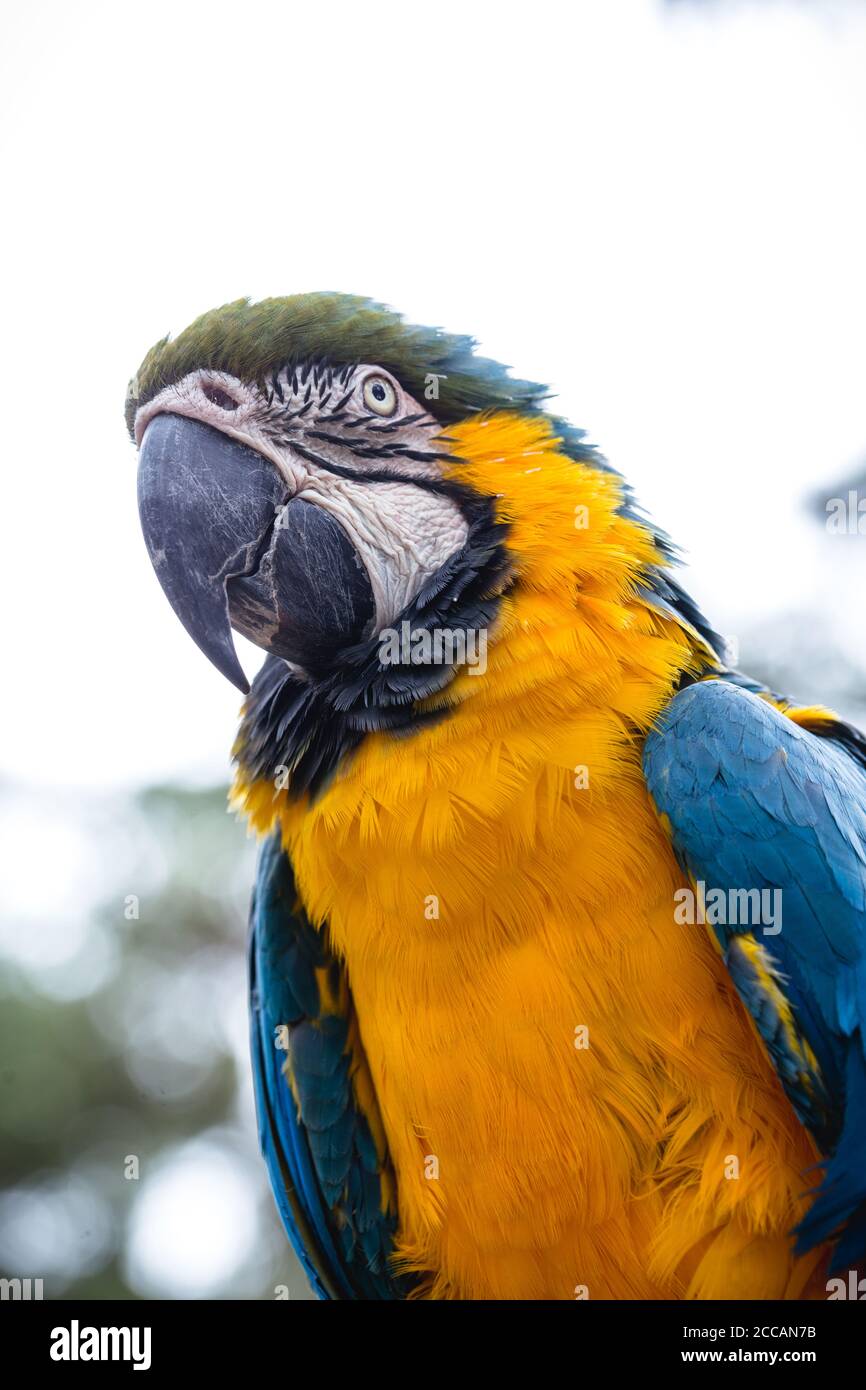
[219,397]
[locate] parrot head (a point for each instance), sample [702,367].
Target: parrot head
[305,478]
[292,472]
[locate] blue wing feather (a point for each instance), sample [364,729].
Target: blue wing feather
[322,1161]
[756,801]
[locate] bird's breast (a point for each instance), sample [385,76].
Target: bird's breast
[553,1055]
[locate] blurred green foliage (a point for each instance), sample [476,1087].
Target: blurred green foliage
[148,1054]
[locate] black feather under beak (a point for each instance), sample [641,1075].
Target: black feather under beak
[232,548]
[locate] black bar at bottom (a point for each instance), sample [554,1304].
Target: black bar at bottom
[259,1339]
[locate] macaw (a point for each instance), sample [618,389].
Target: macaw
[492,750]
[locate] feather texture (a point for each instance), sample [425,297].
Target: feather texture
[757,802]
[564,1074]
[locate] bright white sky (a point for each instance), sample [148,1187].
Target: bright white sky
[661,211]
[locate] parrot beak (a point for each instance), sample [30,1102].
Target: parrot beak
[232,548]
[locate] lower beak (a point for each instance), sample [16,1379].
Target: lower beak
[232,548]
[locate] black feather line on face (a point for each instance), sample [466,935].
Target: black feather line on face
[344,400]
[310,726]
[467,500]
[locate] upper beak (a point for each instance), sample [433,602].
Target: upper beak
[230,546]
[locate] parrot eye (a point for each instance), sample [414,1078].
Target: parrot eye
[219,397]
[379,395]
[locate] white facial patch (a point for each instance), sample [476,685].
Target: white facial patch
[403,533]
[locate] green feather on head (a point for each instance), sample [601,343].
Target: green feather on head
[250,341]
